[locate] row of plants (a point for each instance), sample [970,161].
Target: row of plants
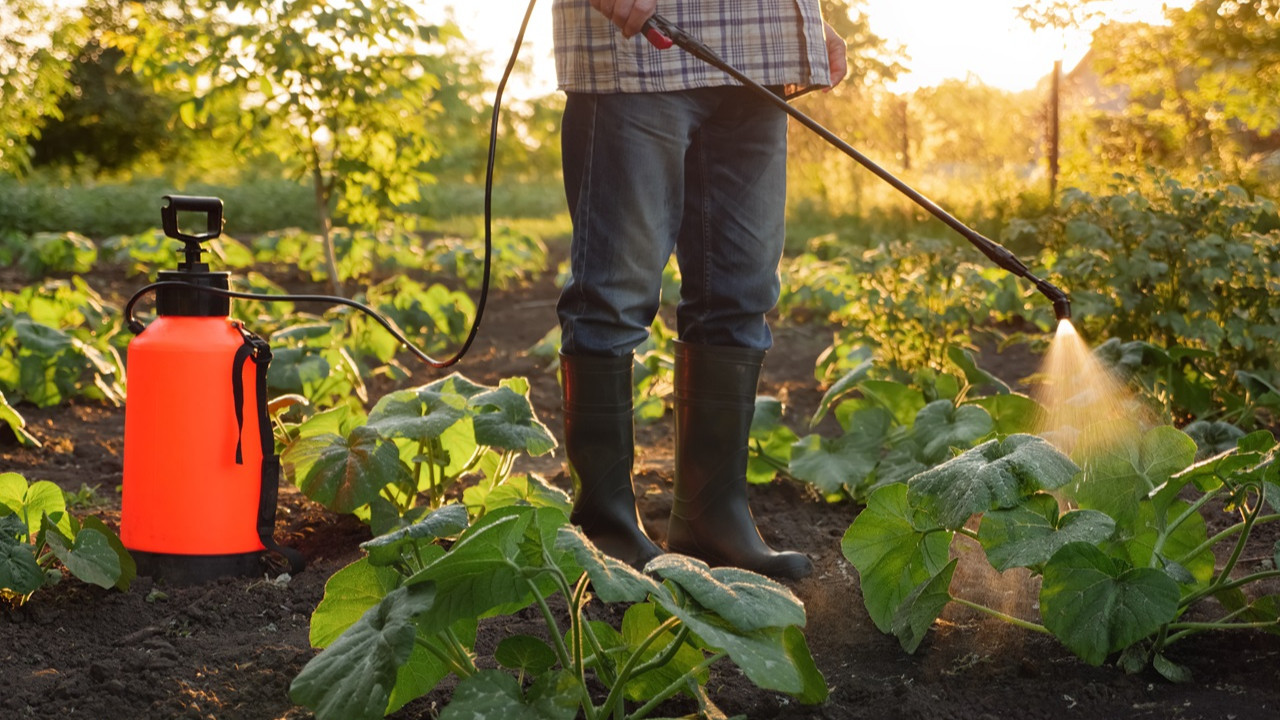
[1121,546]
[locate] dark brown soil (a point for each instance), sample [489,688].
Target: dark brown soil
[229,649]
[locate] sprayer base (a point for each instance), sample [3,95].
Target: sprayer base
[196,569]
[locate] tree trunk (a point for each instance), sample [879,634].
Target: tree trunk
[326,231]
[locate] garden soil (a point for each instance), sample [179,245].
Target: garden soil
[228,649]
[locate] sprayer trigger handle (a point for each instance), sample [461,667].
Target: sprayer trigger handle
[655,36]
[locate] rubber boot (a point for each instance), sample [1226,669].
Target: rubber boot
[715,392]
[599,439]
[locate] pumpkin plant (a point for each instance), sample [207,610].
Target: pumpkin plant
[394,624]
[1120,543]
[416,442]
[37,534]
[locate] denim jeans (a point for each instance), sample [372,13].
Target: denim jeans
[702,172]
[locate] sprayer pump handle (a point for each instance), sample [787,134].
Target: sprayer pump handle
[211,206]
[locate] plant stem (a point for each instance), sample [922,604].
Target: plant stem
[1019,622]
[1190,628]
[628,668]
[666,655]
[444,657]
[459,650]
[566,661]
[1223,535]
[1167,531]
[674,687]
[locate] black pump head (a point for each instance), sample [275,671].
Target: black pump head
[212,207]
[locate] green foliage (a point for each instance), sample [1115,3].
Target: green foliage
[36,532]
[1175,264]
[56,343]
[908,303]
[17,424]
[45,253]
[423,440]
[889,431]
[36,50]
[396,623]
[1118,573]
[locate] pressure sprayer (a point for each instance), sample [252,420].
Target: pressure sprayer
[662,34]
[201,474]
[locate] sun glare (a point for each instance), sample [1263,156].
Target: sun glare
[981,38]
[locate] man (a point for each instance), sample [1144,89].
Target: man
[662,152]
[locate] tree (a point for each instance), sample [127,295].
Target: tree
[341,93]
[108,117]
[36,46]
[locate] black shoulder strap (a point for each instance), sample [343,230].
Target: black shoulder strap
[258,350]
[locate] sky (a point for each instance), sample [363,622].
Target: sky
[982,37]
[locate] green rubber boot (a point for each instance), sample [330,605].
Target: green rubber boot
[599,440]
[715,391]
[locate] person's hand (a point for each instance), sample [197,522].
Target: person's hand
[629,15]
[837,54]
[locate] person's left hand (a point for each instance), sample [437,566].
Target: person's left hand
[837,55]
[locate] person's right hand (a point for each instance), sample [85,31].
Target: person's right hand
[628,15]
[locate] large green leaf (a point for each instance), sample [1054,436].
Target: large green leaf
[892,552]
[504,420]
[16,424]
[845,461]
[41,501]
[19,572]
[417,414]
[774,658]
[1012,413]
[128,567]
[921,607]
[88,557]
[352,678]
[485,572]
[496,694]
[1096,605]
[975,375]
[1029,534]
[525,653]
[1115,481]
[996,474]
[347,473]
[902,400]
[746,600]
[839,388]
[532,490]
[940,426]
[443,522]
[1190,534]
[613,580]
[348,594]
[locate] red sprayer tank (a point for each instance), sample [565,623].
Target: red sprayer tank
[195,480]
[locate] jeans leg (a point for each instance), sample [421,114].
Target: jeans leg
[623,158]
[733,228]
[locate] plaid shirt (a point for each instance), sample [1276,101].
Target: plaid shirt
[774,42]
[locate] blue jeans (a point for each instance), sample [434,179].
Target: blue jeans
[702,172]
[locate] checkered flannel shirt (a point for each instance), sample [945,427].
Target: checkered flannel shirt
[774,42]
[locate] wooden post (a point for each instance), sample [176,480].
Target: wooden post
[1055,89]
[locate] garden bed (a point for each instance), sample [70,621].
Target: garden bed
[229,649]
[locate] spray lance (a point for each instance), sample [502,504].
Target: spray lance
[662,34]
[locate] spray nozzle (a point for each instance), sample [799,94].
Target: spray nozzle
[211,206]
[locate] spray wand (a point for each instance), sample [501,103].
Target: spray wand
[662,34]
